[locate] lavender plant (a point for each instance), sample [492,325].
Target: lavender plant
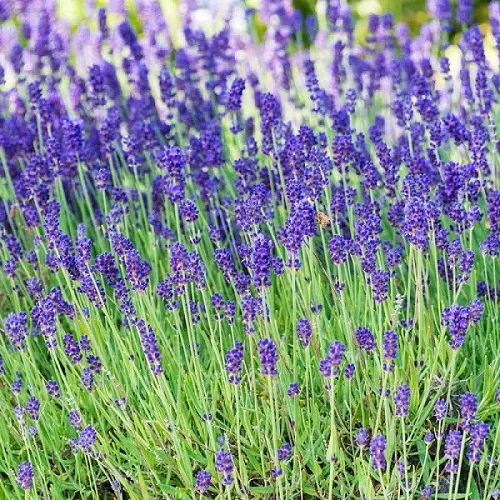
[248,264]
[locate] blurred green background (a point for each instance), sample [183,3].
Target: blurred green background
[413,12]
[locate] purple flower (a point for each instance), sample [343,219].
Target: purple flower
[468,408]
[218,305]
[19,413]
[203,480]
[439,9]
[268,354]
[235,94]
[16,329]
[464,11]
[261,261]
[17,385]
[276,472]
[304,331]
[316,308]
[34,287]
[427,492]
[418,215]
[334,356]
[188,211]
[186,267]
[53,389]
[478,434]
[293,389]
[72,349]
[75,418]
[94,362]
[137,270]
[452,446]
[379,281]
[299,225]
[87,378]
[440,409]
[150,347]
[73,445]
[362,437]
[428,437]
[25,475]
[401,468]
[102,21]
[349,370]
[33,408]
[456,318]
[476,308]
[87,438]
[377,452]
[365,339]
[466,265]
[337,246]
[390,348]
[44,317]
[234,360]
[284,452]
[270,112]
[224,465]
[230,311]
[251,307]
[402,400]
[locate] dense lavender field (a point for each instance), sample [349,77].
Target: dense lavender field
[247,263]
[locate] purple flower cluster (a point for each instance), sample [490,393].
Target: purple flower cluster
[458,319]
[203,480]
[224,465]
[33,408]
[440,409]
[261,261]
[234,360]
[478,434]
[334,357]
[284,452]
[468,408]
[293,389]
[16,329]
[378,446]
[87,438]
[452,447]
[379,280]
[268,355]
[304,331]
[402,400]
[150,347]
[365,339]
[427,492]
[362,437]
[390,348]
[25,475]
[53,389]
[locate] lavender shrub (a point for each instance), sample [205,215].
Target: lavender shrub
[249,264]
